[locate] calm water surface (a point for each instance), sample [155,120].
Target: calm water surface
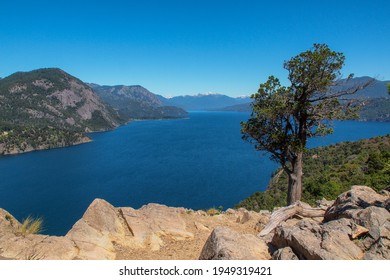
[199,162]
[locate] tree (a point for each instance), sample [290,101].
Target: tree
[284,118]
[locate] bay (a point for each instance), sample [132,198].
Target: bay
[198,162]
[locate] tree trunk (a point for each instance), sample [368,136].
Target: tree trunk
[294,192]
[285,213]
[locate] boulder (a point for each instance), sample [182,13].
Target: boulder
[313,241]
[13,245]
[355,226]
[226,244]
[100,228]
[285,253]
[347,204]
[8,224]
[152,222]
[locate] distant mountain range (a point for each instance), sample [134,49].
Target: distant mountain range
[48,108]
[203,102]
[136,102]
[378,89]
[375,99]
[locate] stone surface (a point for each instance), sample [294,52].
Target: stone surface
[285,253]
[359,197]
[357,227]
[97,231]
[312,241]
[225,244]
[152,222]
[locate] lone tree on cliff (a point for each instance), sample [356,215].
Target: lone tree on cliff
[284,118]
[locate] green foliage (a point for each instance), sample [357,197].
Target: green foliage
[31,226]
[329,171]
[214,211]
[284,118]
[24,138]
[35,112]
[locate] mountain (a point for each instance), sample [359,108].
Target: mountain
[136,102]
[376,109]
[375,100]
[202,102]
[378,89]
[48,108]
[246,107]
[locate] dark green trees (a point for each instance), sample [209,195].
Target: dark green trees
[284,118]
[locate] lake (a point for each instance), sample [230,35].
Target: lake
[197,163]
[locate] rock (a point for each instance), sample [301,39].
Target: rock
[230,211]
[374,219]
[226,244]
[324,204]
[377,241]
[200,226]
[152,222]
[243,217]
[285,253]
[313,241]
[358,231]
[38,247]
[359,197]
[368,210]
[356,226]
[97,231]
[13,245]
[8,224]
[92,243]
[336,240]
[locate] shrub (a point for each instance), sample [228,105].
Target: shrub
[31,226]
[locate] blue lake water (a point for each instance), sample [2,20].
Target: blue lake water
[199,162]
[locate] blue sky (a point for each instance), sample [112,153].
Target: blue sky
[189,47]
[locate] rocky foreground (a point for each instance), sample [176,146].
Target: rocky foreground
[354,226]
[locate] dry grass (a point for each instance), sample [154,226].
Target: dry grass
[31,226]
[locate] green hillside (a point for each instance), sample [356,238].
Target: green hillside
[48,108]
[329,171]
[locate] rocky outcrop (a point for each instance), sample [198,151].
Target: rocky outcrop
[97,234]
[14,245]
[355,226]
[226,244]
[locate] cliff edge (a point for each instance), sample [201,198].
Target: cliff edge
[355,226]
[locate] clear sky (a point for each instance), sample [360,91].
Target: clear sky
[189,47]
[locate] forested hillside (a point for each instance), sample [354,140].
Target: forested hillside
[48,108]
[329,171]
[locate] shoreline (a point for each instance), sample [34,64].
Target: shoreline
[83,140]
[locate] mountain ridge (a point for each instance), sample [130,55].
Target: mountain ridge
[49,108]
[375,101]
[203,102]
[136,102]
